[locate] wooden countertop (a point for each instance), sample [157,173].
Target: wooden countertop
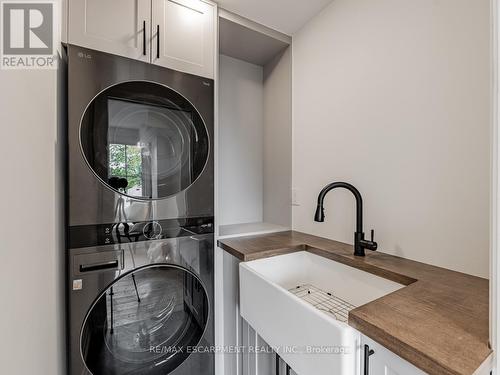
[438,322]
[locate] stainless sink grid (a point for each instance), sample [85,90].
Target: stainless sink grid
[324,301]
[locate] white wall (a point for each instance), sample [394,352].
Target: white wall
[32,318]
[278,139]
[393,96]
[31,260]
[241,117]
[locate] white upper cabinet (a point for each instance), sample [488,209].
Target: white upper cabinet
[120,27]
[177,34]
[184,35]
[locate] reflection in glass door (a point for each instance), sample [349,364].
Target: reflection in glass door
[144,140]
[125,161]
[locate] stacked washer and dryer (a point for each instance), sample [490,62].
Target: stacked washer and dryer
[140,218]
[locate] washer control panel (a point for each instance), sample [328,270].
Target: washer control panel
[117,233]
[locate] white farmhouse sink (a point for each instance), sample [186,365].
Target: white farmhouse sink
[310,340]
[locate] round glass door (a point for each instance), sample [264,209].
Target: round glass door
[144,140]
[145,322]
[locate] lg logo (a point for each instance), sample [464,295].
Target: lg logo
[27,28]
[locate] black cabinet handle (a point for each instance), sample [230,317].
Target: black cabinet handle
[158,41]
[368,353]
[144,38]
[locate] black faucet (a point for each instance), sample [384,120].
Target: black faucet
[360,244]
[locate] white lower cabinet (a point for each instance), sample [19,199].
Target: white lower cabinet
[383,361]
[246,353]
[259,358]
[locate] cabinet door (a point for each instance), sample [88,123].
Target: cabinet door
[236,332]
[184,35]
[120,27]
[385,362]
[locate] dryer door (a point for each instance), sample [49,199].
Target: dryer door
[146,322]
[144,140]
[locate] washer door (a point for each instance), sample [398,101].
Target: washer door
[145,322]
[144,140]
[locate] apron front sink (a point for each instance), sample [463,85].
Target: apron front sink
[299,303]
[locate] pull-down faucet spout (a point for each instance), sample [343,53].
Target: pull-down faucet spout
[360,244]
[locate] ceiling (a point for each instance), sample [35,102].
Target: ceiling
[287,16]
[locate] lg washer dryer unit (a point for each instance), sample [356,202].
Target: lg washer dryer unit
[140,218]
[140,141]
[142,306]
